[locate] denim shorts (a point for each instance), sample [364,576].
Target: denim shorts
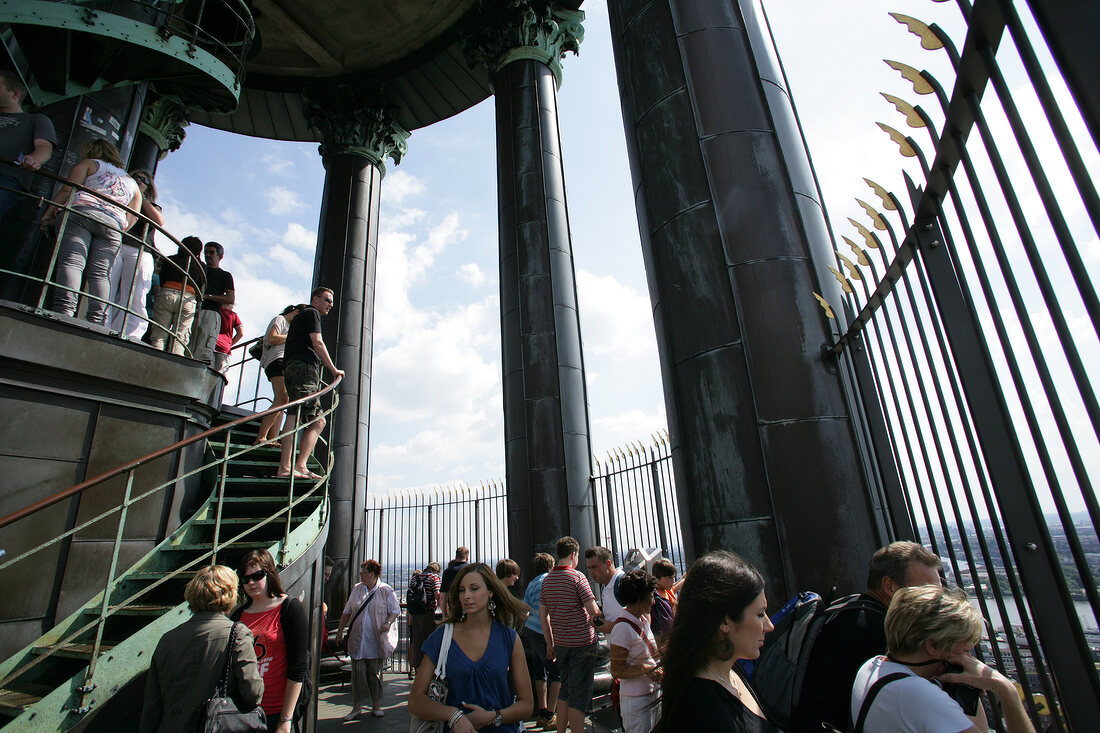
[303,379]
[542,669]
[577,665]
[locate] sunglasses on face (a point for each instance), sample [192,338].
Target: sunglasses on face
[255,577]
[142,179]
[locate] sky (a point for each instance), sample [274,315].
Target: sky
[436,407]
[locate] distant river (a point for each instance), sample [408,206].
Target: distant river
[1084,612]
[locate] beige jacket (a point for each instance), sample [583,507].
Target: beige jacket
[188,663]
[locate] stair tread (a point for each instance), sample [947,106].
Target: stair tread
[267,498]
[17,700]
[136,609]
[226,546]
[74,651]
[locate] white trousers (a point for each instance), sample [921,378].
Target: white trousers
[129,267]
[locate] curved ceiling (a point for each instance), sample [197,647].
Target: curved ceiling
[411,44]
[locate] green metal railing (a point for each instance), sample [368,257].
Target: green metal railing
[60,703]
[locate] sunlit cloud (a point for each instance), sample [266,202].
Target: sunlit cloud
[470,273]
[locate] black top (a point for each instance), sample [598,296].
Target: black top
[449,574]
[292,617]
[218,282]
[299,344]
[183,268]
[846,641]
[707,705]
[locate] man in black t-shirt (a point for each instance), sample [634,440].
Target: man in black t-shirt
[853,636]
[303,356]
[219,292]
[462,559]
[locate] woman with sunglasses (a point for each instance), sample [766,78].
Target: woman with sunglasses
[132,271]
[488,686]
[278,623]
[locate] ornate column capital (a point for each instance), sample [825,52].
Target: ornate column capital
[163,121]
[511,30]
[355,121]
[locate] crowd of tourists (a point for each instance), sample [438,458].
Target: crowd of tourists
[897,657]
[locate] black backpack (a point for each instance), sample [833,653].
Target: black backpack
[416,597]
[779,672]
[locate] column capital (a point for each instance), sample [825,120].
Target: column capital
[163,121]
[522,29]
[355,121]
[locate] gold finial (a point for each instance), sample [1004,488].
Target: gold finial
[873,215]
[910,74]
[919,28]
[844,284]
[860,253]
[883,194]
[825,306]
[868,236]
[853,271]
[905,147]
[912,118]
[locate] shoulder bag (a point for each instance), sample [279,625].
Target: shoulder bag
[437,688]
[344,641]
[219,714]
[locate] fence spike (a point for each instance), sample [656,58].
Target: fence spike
[912,117]
[825,306]
[910,74]
[853,271]
[905,147]
[844,284]
[868,236]
[929,41]
[883,195]
[873,214]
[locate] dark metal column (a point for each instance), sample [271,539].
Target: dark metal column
[159,133]
[358,131]
[547,450]
[762,442]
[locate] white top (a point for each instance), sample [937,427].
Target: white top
[637,653]
[363,637]
[111,182]
[911,705]
[611,607]
[271,353]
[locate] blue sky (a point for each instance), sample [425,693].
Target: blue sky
[436,397]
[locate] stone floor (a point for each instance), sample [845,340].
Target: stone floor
[334,702]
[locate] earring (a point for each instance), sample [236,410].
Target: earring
[492,608]
[462,617]
[724,649]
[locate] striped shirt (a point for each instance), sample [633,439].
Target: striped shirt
[564,593]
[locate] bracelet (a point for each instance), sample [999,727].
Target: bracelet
[285,719]
[454,717]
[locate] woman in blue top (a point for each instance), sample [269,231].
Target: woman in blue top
[489,687]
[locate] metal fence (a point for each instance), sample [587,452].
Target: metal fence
[635,508]
[973,317]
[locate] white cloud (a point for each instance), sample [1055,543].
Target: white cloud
[277,164]
[615,318]
[298,237]
[472,274]
[400,185]
[282,201]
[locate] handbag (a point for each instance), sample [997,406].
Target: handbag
[437,688]
[256,350]
[219,714]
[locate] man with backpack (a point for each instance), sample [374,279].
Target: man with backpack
[852,631]
[421,600]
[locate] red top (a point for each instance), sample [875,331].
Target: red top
[565,591]
[230,320]
[270,656]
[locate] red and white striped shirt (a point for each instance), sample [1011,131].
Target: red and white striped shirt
[564,593]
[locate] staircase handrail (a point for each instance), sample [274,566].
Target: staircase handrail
[119,470]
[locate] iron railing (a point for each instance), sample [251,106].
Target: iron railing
[34,282]
[973,317]
[135,493]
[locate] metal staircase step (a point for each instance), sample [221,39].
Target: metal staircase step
[72,651]
[268,499]
[259,545]
[13,702]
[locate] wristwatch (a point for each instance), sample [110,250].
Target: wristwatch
[285,719]
[498,719]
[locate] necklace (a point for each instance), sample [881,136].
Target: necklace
[724,680]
